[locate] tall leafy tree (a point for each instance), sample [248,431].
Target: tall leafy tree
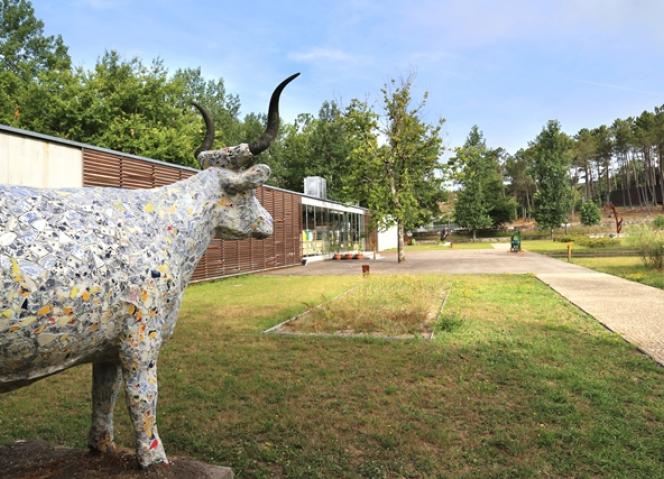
[482,202]
[223,106]
[471,171]
[603,158]
[362,164]
[521,183]
[658,137]
[329,147]
[409,185]
[550,169]
[470,209]
[33,66]
[292,154]
[584,153]
[135,108]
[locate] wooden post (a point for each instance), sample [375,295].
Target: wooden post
[569,252]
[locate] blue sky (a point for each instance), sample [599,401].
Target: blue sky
[508,66]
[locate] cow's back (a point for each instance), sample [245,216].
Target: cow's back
[64,258]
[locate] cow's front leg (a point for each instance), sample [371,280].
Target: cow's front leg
[106,381]
[138,357]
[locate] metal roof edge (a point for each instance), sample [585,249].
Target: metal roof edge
[77,144]
[62,141]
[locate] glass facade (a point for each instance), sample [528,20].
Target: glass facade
[325,231]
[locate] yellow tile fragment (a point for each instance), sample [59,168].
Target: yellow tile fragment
[149,208]
[27,320]
[44,310]
[16,271]
[147,425]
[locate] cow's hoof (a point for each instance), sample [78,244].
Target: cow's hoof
[158,464]
[103,447]
[152,456]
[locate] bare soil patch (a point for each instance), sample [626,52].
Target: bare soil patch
[41,460]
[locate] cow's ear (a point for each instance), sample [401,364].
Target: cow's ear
[247,179]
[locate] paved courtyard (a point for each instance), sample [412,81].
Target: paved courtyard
[633,310]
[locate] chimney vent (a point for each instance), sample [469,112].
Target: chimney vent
[315,186]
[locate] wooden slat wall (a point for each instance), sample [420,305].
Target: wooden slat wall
[222,258]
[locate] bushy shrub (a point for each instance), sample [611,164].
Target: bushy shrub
[658,222]
[650,243]
[534,235]
[590,214]
[597,242]
[566,238]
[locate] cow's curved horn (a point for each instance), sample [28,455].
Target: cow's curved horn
[209,129]
[272,119]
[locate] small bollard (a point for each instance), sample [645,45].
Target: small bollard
[365,270]
[569,252]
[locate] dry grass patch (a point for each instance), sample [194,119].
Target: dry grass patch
[395,306]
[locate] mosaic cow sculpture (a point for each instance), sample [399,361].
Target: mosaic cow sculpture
[97,274]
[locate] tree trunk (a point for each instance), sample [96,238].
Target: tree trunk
[637,186]
[650,176]
[660,153]
[551,234]
[608,184]
[626,183]
[474,235]
[599,182]
[401,256]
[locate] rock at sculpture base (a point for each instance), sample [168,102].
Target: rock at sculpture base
[39,459]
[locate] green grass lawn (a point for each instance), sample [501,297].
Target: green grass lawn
[538,246]
[629,267]
[558,247]
[442,247]
[517,383]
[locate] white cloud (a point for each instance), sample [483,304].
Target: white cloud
[319,55]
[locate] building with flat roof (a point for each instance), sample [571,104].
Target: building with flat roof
[305,227]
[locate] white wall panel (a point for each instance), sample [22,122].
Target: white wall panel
[31,162]
[388,239]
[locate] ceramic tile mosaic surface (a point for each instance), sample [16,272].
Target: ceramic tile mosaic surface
[97,274]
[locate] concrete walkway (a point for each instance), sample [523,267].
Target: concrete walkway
[633,310]
[452,261]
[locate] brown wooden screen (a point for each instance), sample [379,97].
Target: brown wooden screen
[222,258]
